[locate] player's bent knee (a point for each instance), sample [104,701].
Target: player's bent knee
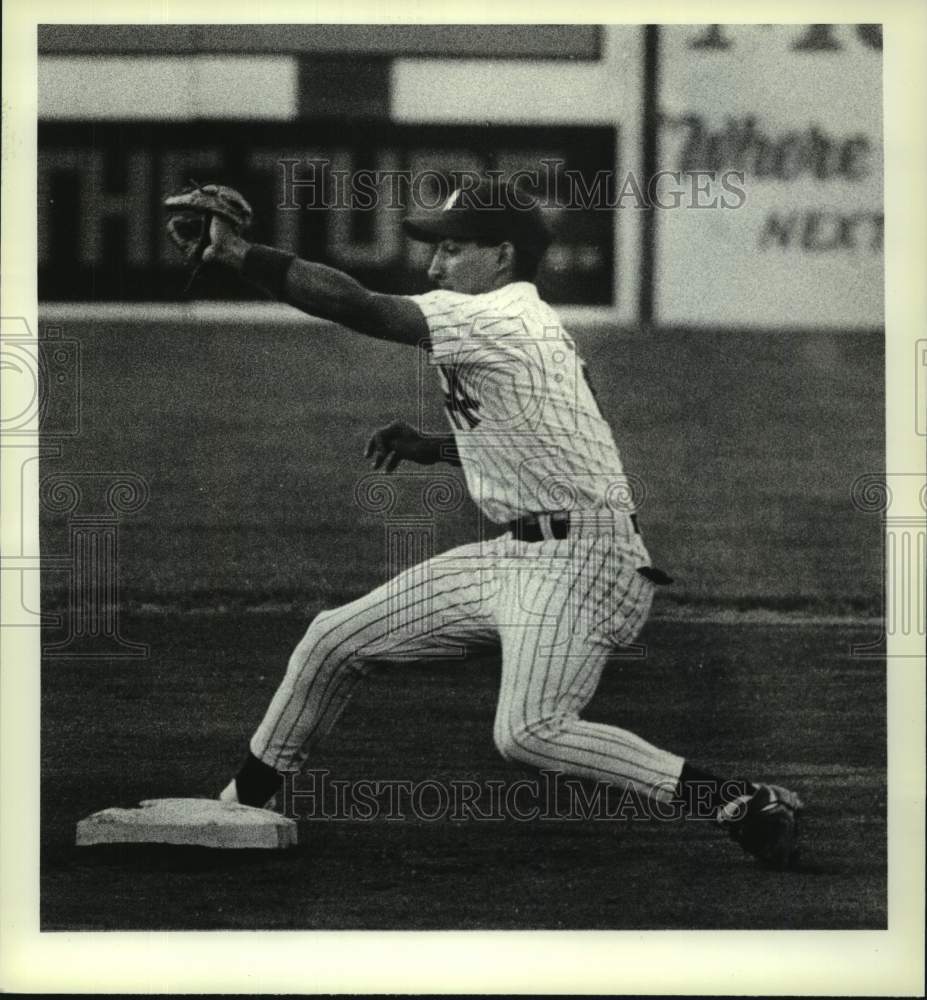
[316,646]
[525,742]
[505,744]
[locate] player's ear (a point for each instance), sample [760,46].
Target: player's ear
[505,258]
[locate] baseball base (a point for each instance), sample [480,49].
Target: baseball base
[189,822]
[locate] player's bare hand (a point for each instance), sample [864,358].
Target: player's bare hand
[396,441]
[225,245]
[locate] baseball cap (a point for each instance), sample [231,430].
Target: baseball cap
[492,211]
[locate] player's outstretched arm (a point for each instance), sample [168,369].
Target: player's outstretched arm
[317,289]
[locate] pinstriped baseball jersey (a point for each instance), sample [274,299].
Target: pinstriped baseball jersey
[531,439]
[528,429]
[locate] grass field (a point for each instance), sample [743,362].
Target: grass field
[250,442]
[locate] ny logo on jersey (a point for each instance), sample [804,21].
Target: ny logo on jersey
[461,407]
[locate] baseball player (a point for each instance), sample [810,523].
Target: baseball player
[568,578]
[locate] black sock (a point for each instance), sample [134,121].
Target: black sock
[256,782]
[703,793]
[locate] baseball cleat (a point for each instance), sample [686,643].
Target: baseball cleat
[230,794]
[765,824]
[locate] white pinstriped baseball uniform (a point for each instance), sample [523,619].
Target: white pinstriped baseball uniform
[531,441]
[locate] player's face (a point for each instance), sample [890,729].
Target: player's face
[460,266]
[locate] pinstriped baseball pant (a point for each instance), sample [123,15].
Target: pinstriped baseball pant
[558,608]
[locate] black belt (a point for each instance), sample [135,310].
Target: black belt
[531,527]
[538,527]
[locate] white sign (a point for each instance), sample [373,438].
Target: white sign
[797,110]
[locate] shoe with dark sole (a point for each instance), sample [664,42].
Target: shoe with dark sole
[230,794]
[256,784]
[765,824]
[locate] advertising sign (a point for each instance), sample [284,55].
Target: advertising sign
[792,113]
[332,191]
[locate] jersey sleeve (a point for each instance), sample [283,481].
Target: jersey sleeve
[462,327]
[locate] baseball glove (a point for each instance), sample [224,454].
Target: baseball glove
[190,214]
[765,825]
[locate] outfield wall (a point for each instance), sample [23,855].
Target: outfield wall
[731,175]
